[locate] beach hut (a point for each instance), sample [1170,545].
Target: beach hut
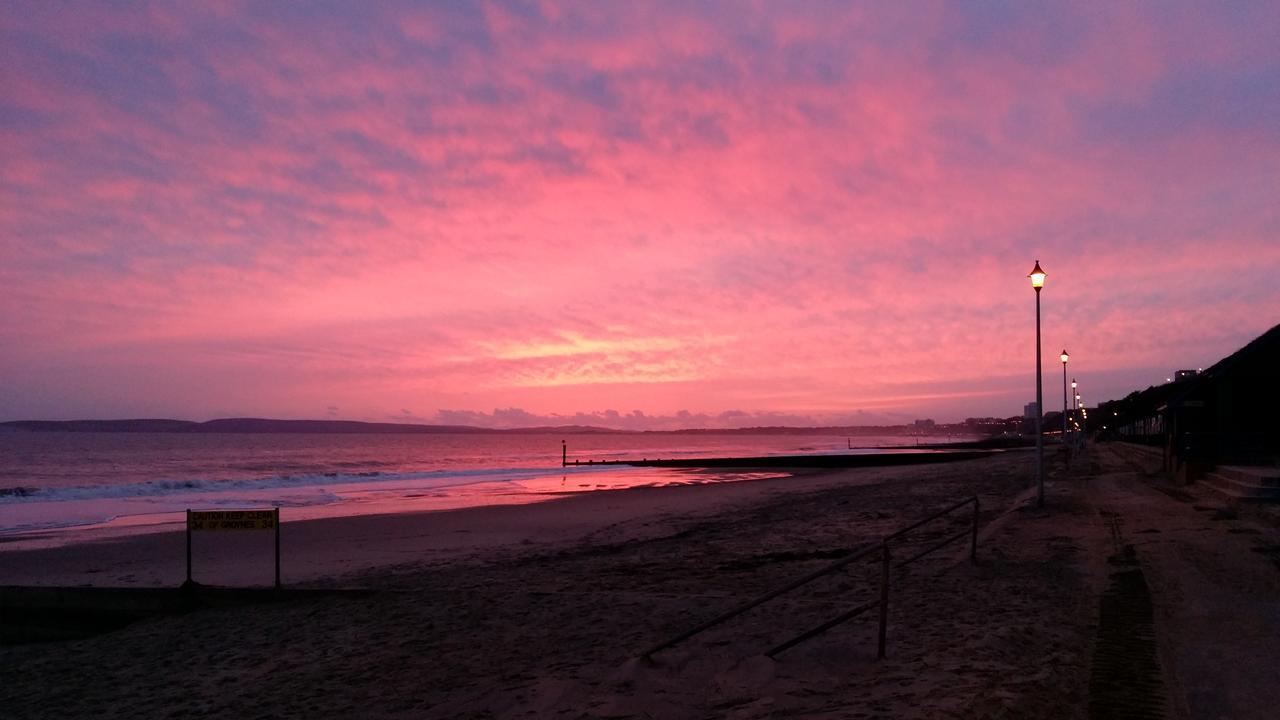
[1228,414]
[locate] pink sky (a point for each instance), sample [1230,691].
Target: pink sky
[616,213]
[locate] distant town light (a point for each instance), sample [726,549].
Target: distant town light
[1037,277]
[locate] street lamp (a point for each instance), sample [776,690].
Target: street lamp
[1037,282]
[1075,405]
[1064,357]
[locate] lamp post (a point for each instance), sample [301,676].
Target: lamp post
[1074,405]
[1081,414]
[1037,282]
[1064,357]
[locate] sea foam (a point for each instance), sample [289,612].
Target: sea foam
[168,487]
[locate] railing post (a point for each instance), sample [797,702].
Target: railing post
[884,598]
[973,546]
[886,565]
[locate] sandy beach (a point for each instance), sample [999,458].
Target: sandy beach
[542,610]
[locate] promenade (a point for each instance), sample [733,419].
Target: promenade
[1212,570]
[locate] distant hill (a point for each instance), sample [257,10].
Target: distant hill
[262,425]
[140,425]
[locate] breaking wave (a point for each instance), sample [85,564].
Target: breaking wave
[161,488]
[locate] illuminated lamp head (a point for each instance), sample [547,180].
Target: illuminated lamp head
[1037,277]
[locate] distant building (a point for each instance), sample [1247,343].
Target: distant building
[997,426]
[1180,375]
[924,424]
[1030,410]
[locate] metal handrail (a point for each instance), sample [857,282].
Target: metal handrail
[931,518]
[882,546]
[761,600]
[885,563]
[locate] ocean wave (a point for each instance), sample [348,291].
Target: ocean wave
[162,488]
[19,491]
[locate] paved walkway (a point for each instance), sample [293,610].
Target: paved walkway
[1213,572]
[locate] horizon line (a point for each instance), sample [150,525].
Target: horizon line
[18,424]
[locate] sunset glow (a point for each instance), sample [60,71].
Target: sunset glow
[634,215]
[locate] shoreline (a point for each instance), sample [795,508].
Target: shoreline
[127,516]
[363,538]
[114,516]
[328,549]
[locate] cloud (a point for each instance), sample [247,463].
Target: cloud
[637,420]
[438,206]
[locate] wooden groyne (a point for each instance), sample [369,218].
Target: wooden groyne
[797,461]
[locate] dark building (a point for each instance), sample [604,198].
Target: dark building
[1229,414]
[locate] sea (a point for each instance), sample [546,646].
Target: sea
[54,485]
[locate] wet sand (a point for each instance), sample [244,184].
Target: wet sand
[541,610]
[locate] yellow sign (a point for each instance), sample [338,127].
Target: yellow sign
[232,519]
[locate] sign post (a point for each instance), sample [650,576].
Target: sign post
[209,520]
[188,547]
